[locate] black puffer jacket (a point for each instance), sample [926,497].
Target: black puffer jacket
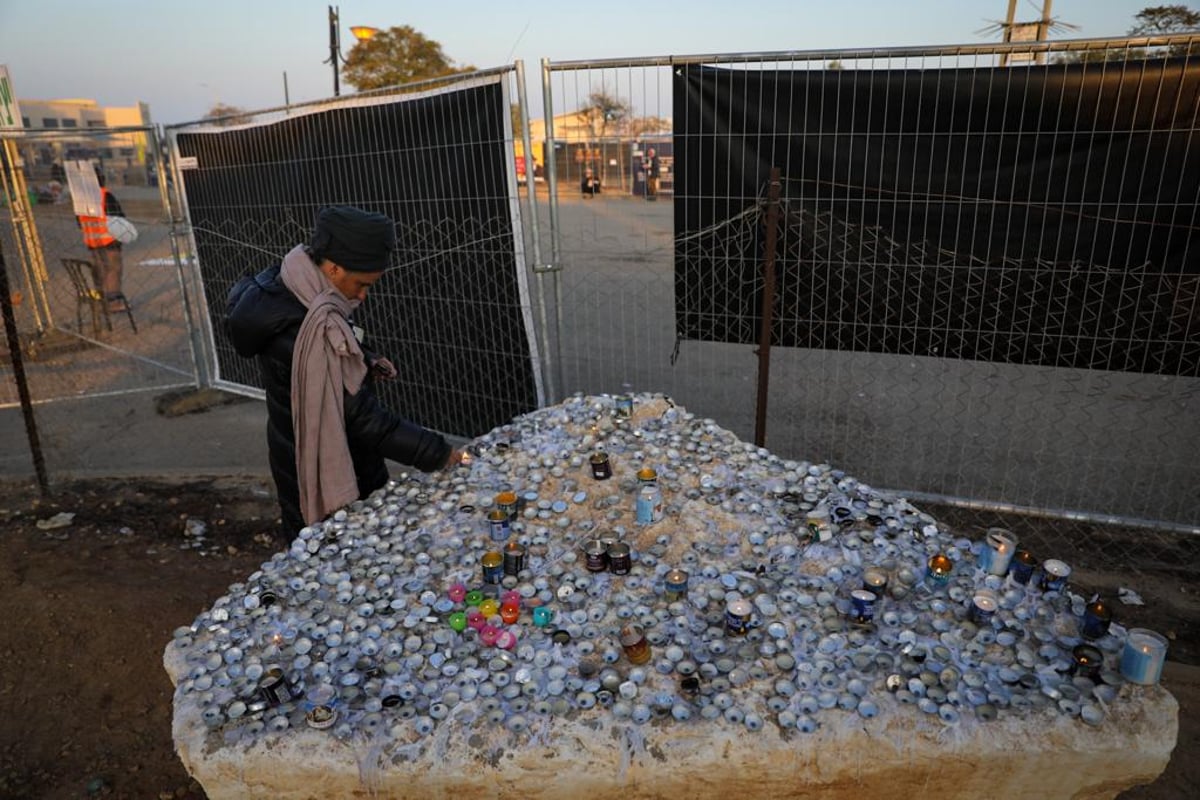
[264,318]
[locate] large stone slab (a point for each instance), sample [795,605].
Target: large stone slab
[739,519]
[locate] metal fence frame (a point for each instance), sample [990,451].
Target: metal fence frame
[627,332]
[111,362]
[527,241]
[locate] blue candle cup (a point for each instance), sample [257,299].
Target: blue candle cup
[1022,566]
[1096,618]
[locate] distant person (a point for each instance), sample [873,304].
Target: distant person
[327,432]
[57,173]
[652,171]
[590,185]
[105,250]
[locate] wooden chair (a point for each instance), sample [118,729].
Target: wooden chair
[83,279]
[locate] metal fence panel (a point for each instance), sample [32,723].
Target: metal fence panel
[1075,443]
[73,346]
[436,157]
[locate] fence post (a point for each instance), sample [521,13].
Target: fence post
[768,310]
[18,365]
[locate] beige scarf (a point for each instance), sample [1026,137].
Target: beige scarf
[326,362]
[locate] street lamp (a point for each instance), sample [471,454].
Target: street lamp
[362,33]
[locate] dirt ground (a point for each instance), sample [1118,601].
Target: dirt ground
[88,607]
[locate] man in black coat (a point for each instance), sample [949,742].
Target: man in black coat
[348,253]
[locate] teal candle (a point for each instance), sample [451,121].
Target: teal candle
[542,615]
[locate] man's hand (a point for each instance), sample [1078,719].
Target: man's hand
[382,369]
[458,456]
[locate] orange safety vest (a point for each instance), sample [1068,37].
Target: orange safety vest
[95,229]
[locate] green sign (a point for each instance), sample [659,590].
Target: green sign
[10,113]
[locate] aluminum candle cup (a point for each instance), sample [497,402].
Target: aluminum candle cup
[737,617]
[1054,575]
[493,567]
[983,606]
[1086,661]
[677,585]
[649,504]
[1096,618]
[862,605]
[601,469]
[499,526]
[875,580]
[514,558]
[619,559]
[273,687]
[595,554]
[1022,566]
[507,502]
[624,406]
[647,475]
[633,642]
[999,547]
[1143,656]
[938,570]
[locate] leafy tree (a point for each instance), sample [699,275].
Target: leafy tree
[605,111]
[1157,20]
[1151,21]
[397,56]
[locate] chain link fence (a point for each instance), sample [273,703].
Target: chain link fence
[75,343]
[1051,374]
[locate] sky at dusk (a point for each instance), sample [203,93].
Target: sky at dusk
[183,57]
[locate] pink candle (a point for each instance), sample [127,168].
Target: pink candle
[476,619]
[511,598]
[457,592]
[488,634]
[507,640]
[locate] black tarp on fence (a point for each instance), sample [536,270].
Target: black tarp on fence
[1035,215]
[450,314]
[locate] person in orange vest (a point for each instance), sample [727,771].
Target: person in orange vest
[105,250]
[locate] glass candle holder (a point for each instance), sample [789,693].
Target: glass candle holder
[875,580]
[1086,661]
[474,597]
[510,613]
[1097,616]
[1022,566]
[458,621]
[1143,656]
[938,570]
[1054,575]
[983,606]
[677,585]
[488,635]
[999,547]
[457,593]
[601,468]
[542,615]
[633,642]
[489,607]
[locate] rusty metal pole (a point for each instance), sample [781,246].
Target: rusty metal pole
[18,364]
[768,310]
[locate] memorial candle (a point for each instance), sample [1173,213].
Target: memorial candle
[939,568]
[1086,661]
[1143,656]
[1096,618]
[998,549]
[542,616]
[457,593]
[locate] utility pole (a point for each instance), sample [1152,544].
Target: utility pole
[335,49]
